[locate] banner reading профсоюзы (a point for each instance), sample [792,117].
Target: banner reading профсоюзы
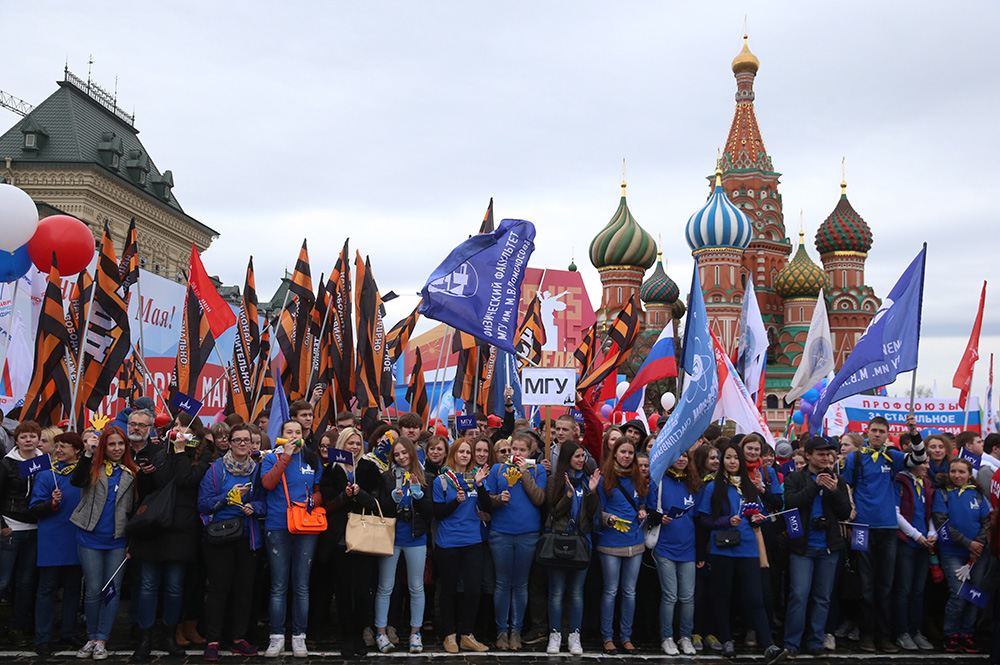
[941,414]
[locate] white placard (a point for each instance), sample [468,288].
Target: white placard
[548,386]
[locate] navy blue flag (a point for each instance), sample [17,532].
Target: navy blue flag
[701,388]
[943,534]
[477,288]
[859,537]
[974,460]
[109,592]
[973,595]
[29,467]
[279,412]
[888,346]
[339,455]
[463,423]
[577,416]
[793,521]
[678,511]
[185,403]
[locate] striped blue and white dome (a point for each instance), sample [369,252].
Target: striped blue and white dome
[719,223]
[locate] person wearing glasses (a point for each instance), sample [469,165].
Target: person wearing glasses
[228,499]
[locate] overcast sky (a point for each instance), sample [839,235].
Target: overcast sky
[395,122]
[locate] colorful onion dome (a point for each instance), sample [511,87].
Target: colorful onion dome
[659,289]
[719,223]
[843,230]
[623,242]
[801,278]
[745,61]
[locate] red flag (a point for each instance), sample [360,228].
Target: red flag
[218,313]
[963,375]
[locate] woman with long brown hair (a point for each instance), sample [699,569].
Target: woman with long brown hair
[106,477]
[620,544]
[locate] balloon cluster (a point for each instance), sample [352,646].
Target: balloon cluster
[807,403]
[667,401]
[25,240]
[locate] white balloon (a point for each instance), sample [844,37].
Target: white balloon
[667,401]
[18,218]
[620,390]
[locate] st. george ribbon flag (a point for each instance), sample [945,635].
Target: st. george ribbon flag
[701,388]
[889,345]
[477,288]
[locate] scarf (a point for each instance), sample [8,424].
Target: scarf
[970,486]
[622,471]
[63,468]
[735,482]
[234,468]
[875,454]
[109,468]
[679,476]
[918,484]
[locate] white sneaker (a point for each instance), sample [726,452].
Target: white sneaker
[416,643]
[275,646]
[830,642]
[383,643]
[922,642]
[906,642]
[555,641]
[686,647]
[87,650]
[100,651]
[669,647]
[299,649]
[575,647]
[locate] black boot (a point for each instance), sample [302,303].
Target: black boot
[170,642]
[145,646]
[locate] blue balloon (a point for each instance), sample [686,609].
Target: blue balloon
[811,395]
[14,265]
[807,408]
[798,417]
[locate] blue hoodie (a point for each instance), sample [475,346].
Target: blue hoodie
[213,504]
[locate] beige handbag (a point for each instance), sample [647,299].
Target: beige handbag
[371,534]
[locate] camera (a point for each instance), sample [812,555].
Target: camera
[820,523]
[404,513]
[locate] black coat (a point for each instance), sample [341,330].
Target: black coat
[800,492]
[337,504]
[181,540]
[15,493]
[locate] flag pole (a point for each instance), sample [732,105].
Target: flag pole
[965,408]
[147,374]
[13,311]
[322,332]
[79,366]
[106,584]
[445,341]
[913,391]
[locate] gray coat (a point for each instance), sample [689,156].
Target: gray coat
[94,496]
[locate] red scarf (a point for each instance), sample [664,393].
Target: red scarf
[753,468]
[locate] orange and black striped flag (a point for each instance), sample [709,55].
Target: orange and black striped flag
[466,369]
[341,335]
[246,348]
[107,339]
[76,315]
[486,397]
[263,379]
[487,225]
[193,348]
[399,337]
[587,350]
[531,335]
[131,381]
[371,337]
[292,333]
[622,336]
[321,370]
[416,392]
[128,267]
[49,389]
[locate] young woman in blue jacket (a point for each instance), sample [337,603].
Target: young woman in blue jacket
[731,508]
[671,502]
[227,494]
[620,545]
[53,500]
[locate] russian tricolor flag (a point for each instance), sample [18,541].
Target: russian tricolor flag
[661,363]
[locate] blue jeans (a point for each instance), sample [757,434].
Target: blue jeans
[512,558]
[171,573]
[19,553]
[810,579]
[290,556]
[569,583]
[415,559]
[676,584]
[98,565]
[960,614]
[50,578]
[908,588]
[625,570]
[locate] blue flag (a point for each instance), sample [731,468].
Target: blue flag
[109,592]
[859,537]
[279,411]
[463,423]
[793,521]
[185,403]
[943,534]
[888,347]
[973,459]
[339,455]
[694,413]
[477,288]
[30,467]
[973,595]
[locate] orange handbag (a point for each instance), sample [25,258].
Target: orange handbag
[300,520]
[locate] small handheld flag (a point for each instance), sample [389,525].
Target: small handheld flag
[973,595]
[30,467]
[109,592]
[188,405]
[943,534]
[463,423]
[793,522]
[678,511]
[859,537]
[340,456]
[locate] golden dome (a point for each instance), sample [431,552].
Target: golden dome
[745,61]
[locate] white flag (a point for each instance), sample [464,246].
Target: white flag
[753,344]
[817,354]
[735,402]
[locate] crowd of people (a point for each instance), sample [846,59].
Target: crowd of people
[224,539]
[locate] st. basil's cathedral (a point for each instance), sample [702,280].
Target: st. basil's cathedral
[740,236]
